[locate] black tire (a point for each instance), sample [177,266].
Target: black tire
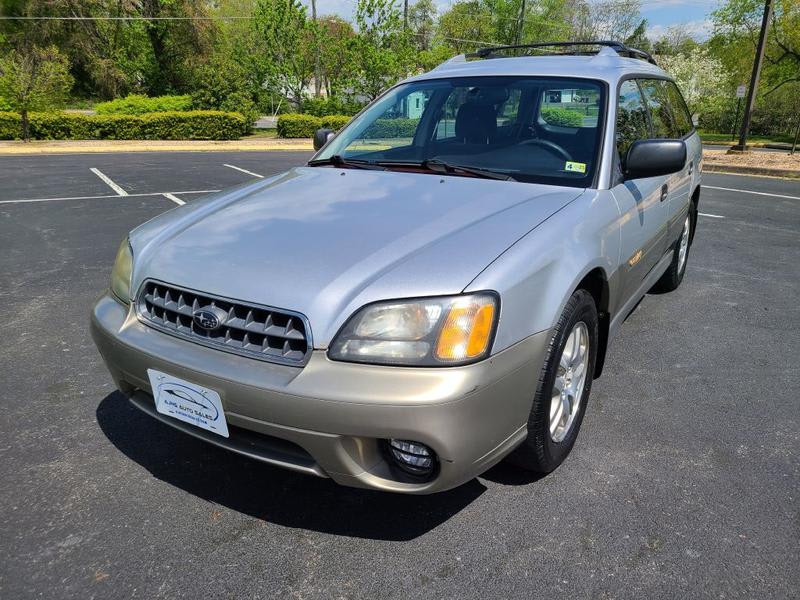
[673,276]
[539,452]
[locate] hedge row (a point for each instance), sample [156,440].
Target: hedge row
[562,117]
[190,125]
[391,128]
[136,104]
[304,126]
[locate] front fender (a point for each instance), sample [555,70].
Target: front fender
[536,276]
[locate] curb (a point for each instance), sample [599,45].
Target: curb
[34,148]
[740,170]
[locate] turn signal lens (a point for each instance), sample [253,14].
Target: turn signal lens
[466,331]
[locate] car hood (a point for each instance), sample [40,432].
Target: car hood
[324,241]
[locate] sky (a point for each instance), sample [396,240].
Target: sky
[694,15]
[660,14]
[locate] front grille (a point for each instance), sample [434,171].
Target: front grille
[249,329]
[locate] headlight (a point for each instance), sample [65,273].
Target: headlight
[428,332]
[121,273]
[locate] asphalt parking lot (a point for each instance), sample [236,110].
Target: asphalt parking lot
[684,482]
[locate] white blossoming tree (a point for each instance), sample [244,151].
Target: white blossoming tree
[705,83]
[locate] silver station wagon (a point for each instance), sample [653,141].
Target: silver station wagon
[435,290]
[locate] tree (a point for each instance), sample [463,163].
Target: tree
[675,40]
[34,78]
[736,28]
[638,37]
[617,20]
[222,84]
[421,20]
[382,50]
[467,25]
[112,57]
[703,80]
[336,56]
[287,42]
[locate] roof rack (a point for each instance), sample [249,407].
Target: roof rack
[619,47]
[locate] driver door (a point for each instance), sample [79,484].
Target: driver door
[642,202]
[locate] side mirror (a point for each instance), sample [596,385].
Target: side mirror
[651,158]
[321,137]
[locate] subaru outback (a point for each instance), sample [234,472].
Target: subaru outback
[435,290]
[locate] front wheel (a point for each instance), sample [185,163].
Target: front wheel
[563,388]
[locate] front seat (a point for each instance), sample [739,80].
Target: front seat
[476,123]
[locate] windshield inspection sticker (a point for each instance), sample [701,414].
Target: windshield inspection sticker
[575,167]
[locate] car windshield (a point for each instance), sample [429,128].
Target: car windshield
[531,129]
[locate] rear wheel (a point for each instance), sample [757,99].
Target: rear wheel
[563,389]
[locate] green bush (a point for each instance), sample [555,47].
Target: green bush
[188,125]
[335,122]
[298,126]
[10,127]
[323,107]
[391,128]
[562,117]
[304,126]
[240,102]
[136,104]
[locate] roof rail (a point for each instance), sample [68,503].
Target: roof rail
[619,47]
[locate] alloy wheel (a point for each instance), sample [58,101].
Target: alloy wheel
[569,383]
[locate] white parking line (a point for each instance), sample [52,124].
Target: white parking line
[712,216]
[243,170]
[142,195]
[713,187]
[174,198]
[108,181]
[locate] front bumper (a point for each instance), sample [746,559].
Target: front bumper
[328,418]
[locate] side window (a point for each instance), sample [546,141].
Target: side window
[679,109]
[631,117]
[661,115]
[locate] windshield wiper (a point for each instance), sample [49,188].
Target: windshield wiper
[439,166]
[338,160]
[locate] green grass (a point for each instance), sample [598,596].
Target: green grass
[753,140]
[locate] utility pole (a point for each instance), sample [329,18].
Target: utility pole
[405,15]
[751,94]
[520,23]
[317,76]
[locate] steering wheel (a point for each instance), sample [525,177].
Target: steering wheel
[548,145]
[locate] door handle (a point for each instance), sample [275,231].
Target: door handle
[691,167]
[664,191]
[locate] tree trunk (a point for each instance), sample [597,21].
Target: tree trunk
[26,128]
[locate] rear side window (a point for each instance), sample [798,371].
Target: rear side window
[631,117]
[679,109]
[662,117]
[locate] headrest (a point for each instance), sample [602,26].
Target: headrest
[476,123]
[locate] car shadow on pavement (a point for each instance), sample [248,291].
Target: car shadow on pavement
[269,493]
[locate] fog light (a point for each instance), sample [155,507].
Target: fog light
[412,457]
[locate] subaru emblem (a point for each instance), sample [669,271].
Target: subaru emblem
[209,317]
